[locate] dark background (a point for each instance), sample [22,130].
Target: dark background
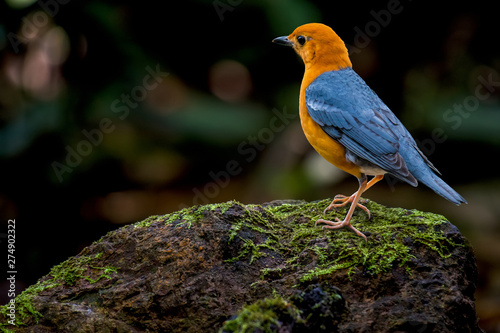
[221,123]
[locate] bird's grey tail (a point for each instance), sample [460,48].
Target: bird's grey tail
[440,187]
[423,170]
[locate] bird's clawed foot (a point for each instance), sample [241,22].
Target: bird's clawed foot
[341,200]
[339,224]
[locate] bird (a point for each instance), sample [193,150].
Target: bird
[350,126]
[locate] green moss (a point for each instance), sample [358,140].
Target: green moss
[147,222]
[193,214]
[290,231]
[390,231]
[249,247]
[68,272]
[318,308]
[76,268]
[186,215]
[264,315]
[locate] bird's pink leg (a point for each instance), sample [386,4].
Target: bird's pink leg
[342,200]
[354,199]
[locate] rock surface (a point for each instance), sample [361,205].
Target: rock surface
[261,268]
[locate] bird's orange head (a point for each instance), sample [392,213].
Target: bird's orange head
[318,46]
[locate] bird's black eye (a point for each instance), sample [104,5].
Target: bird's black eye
[301,39]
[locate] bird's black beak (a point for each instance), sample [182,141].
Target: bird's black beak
[283,40]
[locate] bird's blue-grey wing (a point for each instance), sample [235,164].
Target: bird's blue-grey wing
[352,114]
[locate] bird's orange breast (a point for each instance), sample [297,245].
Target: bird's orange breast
[327,147]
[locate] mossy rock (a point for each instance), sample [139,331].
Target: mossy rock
[319,308]
[196,269]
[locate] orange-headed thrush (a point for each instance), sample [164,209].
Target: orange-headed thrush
[350,126]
